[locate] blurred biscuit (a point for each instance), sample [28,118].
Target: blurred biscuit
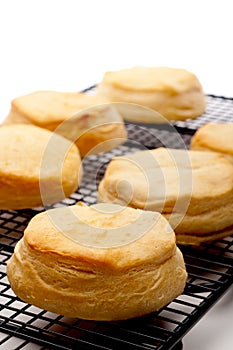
[37,167]
[192,189]
[176,94]
[88,120]
[215,137]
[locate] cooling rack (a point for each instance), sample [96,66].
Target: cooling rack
[210,266]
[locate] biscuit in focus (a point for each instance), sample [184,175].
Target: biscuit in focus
[103,262]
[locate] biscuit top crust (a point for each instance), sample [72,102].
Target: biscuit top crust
[159,179]
[44,107]
[148,79]
[104,234]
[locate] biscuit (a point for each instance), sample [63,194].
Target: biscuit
[103,262]
[176,94]
[215,137]
[192,189]
[88,120]
[37,167]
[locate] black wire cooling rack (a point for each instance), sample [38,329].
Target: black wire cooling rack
[210,266]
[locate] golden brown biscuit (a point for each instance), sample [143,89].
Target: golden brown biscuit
[192,189]
[37,167]
[88,120]
[103,262]
[174,93]
[214,137]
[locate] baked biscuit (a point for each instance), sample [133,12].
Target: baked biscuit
[216,138]
[37,167]
[175,94]
[103,262]
[192,189]
[88,120]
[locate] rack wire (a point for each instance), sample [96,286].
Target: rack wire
[209,266]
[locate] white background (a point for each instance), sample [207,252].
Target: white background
[67,45]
